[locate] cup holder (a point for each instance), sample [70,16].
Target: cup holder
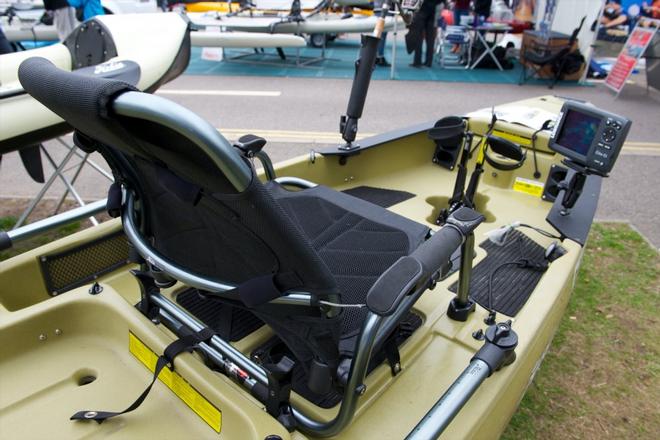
[84,376]
[441,202]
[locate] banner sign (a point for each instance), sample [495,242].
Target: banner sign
[633,50]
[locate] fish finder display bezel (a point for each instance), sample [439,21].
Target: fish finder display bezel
[598,152]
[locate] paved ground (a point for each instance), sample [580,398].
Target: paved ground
[299,114]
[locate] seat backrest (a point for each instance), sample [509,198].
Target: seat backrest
[201,203]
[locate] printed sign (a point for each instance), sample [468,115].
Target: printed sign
[635,46]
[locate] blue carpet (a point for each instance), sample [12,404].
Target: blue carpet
[339,63]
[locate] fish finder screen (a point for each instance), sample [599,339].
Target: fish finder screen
[578,131]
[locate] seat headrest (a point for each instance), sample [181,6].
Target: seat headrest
[74,97]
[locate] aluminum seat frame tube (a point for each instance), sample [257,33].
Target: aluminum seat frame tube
[47,224]
[354,388]
[352,392]
[225,349]
[452,401]
[178,118]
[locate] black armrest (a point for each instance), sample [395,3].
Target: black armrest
[387,292]
[396,282]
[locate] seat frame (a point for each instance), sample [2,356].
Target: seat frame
[375,329]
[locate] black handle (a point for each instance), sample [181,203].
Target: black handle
[394,284]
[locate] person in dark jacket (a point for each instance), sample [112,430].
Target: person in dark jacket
[64,17]
[5,47]
[425,26]
[482,8]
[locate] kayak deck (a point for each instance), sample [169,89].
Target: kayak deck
[95,329]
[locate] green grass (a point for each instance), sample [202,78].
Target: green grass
[6,223]
[601,376]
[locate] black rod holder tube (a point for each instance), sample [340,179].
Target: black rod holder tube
[363,69]
[465,272]
[461,305]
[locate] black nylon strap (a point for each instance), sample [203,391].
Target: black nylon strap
[392,354]
[261,290]
[186,343]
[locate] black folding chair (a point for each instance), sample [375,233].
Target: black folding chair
[331,274]
[539,56]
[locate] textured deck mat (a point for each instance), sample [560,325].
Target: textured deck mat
[379,196]
[231,323]
[512,285]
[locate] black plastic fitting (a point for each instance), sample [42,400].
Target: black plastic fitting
[499,349]
[460,312]
[5,241]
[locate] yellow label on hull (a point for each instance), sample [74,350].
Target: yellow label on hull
[190,396]
[531,187]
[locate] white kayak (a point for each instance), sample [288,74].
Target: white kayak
[245,40]
[146,50]
[316,24]
[25,25]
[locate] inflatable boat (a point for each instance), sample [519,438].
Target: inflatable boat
[405,285]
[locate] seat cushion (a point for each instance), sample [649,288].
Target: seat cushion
[357,240]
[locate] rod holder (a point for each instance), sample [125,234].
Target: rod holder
[461,305]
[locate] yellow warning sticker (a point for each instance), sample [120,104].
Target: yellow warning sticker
[198,403]
[531,187]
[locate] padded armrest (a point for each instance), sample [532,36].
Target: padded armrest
[387,292]
[396,282]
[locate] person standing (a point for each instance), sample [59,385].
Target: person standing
[461,9]
[425,24]
[90,8]
[380,54]
[64,17]
[5,46]
[482,9]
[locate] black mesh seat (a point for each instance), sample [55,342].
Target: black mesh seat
[357,240]
[332,275]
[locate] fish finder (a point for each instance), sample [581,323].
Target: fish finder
[590,139]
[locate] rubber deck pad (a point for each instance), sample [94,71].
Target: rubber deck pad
[512,285]
[379,196]
[230,323]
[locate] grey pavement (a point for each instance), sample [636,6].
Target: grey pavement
[308,105]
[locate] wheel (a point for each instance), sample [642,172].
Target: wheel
[317,40]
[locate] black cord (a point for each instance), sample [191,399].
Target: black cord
[545,126]
[537,173]
[540,231]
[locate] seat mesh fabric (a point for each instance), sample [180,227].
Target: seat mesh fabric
[355,249]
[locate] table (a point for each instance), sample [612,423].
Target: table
[480,32]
